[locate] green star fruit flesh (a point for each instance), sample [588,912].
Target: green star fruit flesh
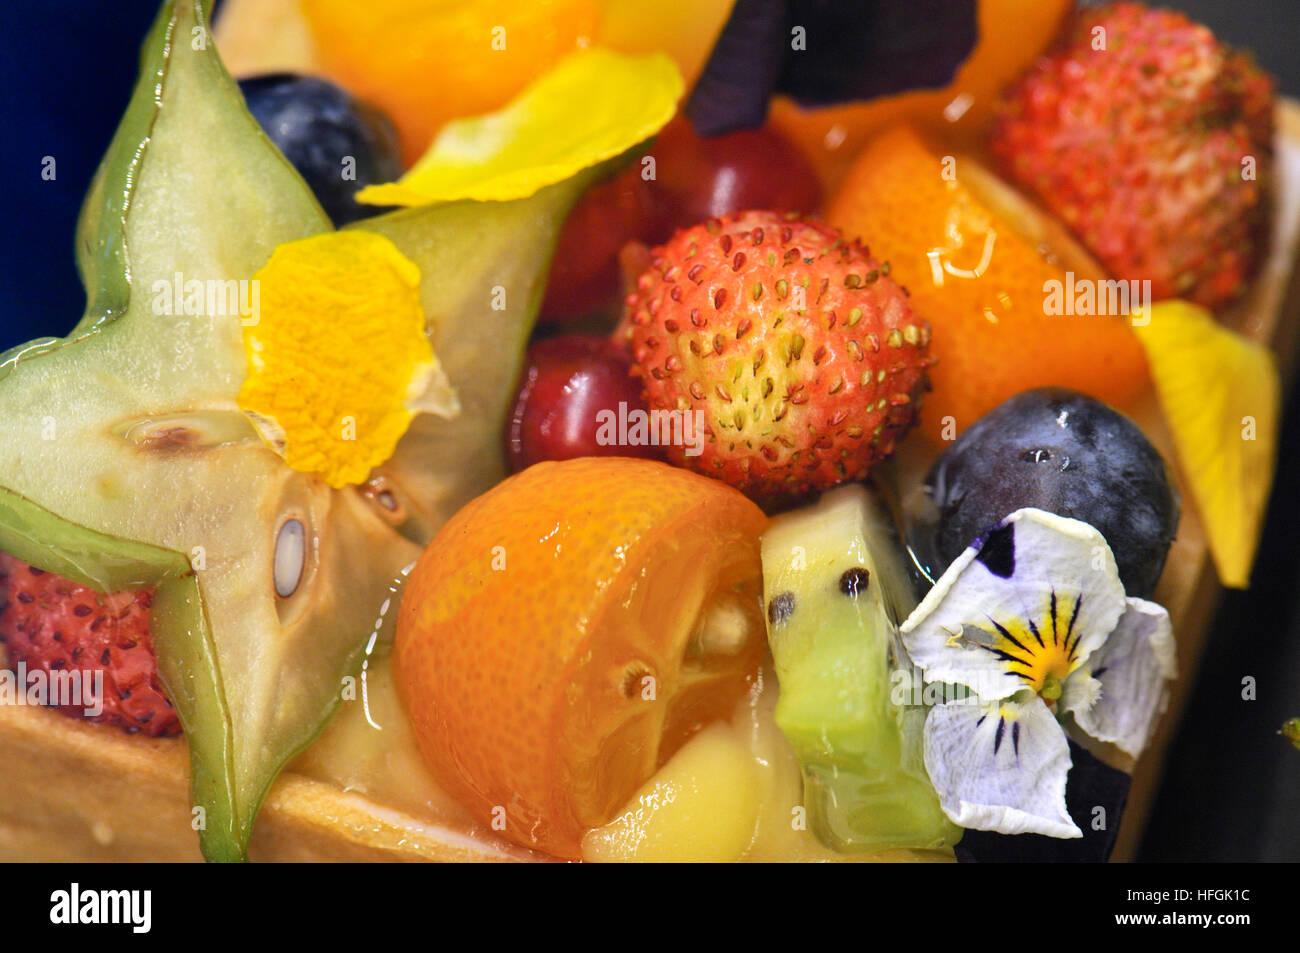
[127,461]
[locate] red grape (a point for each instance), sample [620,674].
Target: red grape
[584,273]
[699,177]
[567,381]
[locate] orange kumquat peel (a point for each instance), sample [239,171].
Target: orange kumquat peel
[565,633]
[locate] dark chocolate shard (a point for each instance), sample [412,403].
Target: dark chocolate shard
[865,50]
[742,71]
[827,51]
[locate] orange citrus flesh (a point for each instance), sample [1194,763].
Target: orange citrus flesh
[565,633]
[1012,34]
[424,62]
[977,261]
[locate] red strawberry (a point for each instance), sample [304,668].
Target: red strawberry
[1133,131]
[804,358]
[51,623]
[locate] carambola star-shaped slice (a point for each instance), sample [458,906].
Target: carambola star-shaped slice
[126,460]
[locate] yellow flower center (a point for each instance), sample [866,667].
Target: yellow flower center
[1041,651]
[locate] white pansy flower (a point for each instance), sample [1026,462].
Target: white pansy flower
[1033,619]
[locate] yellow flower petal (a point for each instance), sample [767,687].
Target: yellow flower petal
[1220,395]
[593,106]
[338,357]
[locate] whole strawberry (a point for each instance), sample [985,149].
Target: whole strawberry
[802,360]
[50,623]
[1153,142]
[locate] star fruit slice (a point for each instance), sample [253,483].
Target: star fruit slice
[128,461]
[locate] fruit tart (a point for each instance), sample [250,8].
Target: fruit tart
[463,456]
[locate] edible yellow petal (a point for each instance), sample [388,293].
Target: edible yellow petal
[338,357]
[593,106]
[1220,395]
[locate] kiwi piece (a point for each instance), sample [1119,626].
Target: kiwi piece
[836,590]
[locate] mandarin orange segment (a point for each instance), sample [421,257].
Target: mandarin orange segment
[979,263]
[1012,34]
[427,61]
[684,29]
[566,632]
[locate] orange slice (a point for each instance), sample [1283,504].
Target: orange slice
[425,62]
[565,633]
[982,265]
[593,106]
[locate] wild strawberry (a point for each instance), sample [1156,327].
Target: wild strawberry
[51,623]
[1152,141]
[804,359]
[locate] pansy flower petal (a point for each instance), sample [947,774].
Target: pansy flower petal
[1000,767]
[1133,669]
[1080,691]
[1028,602]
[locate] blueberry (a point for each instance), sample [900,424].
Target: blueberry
[337,143]
[1067,453]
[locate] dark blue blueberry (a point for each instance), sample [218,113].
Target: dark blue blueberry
[1066,453]
[337,143]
